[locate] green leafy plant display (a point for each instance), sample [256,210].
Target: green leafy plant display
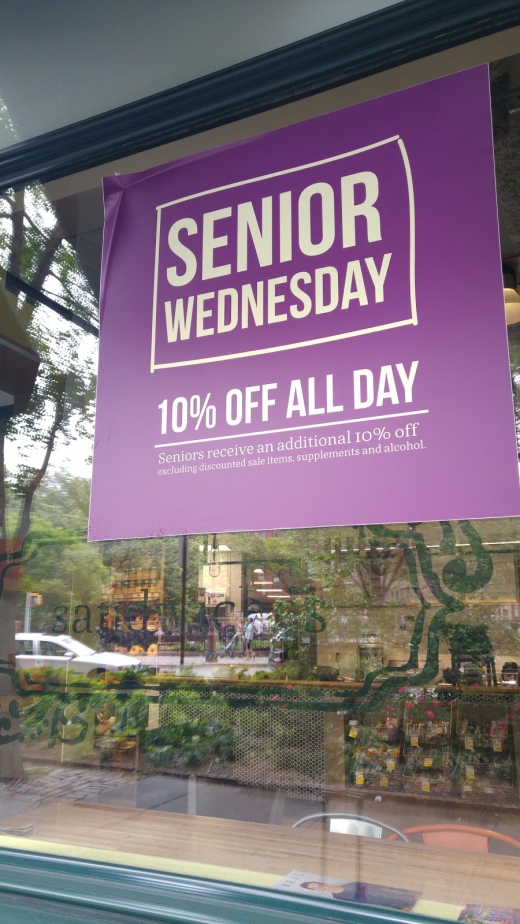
[189,744]
[194,731]
[469,642]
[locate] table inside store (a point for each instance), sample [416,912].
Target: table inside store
[262,853]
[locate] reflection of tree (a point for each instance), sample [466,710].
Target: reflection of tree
[383,581]
[514,359]
[62,502]
[447,588]
[14,557]
[60,405]
[127,558]
[173,578]
[378,570]
[295,619]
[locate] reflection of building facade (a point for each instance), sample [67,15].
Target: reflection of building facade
[135,587]
[132,609]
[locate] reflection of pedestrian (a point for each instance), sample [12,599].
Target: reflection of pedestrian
[249,635]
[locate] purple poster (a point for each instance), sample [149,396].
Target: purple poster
[307,328]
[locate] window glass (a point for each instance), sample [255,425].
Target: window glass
[332,712]
[51,648]
[72,644]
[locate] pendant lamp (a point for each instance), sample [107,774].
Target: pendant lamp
[511,296]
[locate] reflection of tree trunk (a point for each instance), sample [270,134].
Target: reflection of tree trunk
[3,532]
[378,572]
[10,575]
[45,259]
[11,763]
[30,489]
[17,240]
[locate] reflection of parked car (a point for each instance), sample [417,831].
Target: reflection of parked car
[33,649]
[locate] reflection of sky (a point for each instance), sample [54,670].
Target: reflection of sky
[7,133]
[74,458]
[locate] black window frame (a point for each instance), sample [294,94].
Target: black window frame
[395,35]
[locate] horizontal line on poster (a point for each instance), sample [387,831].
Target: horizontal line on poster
[288,346]
[332,423]
[270,176]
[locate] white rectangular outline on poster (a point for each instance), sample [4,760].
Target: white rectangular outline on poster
[292,346]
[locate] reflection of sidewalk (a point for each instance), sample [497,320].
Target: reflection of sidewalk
[45,785]
[196,663]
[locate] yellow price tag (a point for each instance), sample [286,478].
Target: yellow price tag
[414,741]
[497,744]
[426,786]
[390,764]
[470,772]
[428,761]
[360,777]
[353,733]
[384,782]
[468,743]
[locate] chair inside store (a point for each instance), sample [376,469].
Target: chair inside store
[357,825]
[459,837]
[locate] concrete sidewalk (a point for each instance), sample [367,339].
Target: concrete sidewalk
[197,665]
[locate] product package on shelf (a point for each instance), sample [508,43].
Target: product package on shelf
[372,749]
[483,758]
[427,747]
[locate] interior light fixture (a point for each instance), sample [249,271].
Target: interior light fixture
[262,582]
[511,296]
[512,299]
[258,571]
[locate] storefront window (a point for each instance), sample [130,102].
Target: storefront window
[328,711]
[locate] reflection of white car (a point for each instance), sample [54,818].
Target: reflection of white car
[33,649]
